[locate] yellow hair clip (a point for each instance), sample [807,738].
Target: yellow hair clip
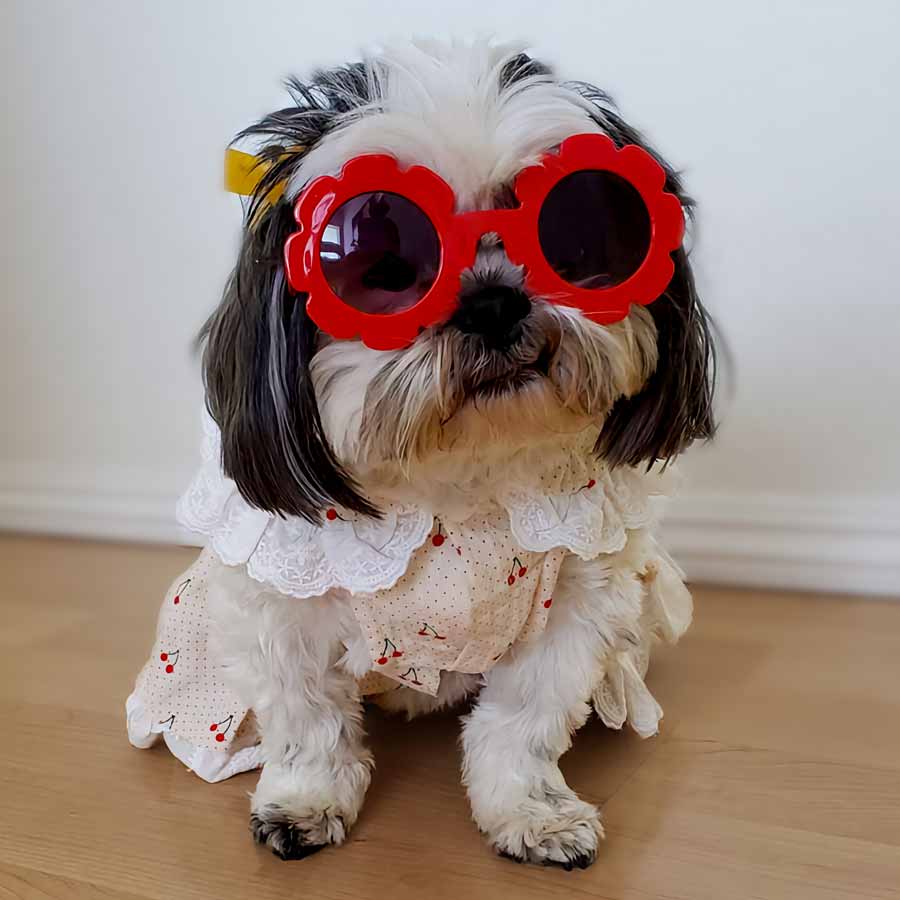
[243,173]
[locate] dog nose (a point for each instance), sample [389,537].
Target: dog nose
[495,312]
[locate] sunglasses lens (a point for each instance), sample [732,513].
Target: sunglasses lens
[594,229]
[380,253]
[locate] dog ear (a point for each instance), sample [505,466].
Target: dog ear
[675,406]
[259,342]
[259,345]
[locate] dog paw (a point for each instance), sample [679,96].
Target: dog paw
[292,837]
[551,830]
[296,811]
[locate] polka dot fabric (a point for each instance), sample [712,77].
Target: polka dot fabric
[469,593]
[181,689]
[430,594]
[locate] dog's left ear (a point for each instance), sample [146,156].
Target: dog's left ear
[675,406]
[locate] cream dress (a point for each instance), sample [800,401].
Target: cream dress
[430,594]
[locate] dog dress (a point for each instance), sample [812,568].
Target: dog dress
[431,594]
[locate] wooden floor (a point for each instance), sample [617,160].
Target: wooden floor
[776,775]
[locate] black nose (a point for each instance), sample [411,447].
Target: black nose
[495,312]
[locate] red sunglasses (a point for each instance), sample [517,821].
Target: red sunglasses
[379,250]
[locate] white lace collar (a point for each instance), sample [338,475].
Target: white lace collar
[362,555]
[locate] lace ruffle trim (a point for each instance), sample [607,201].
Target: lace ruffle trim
[362,555]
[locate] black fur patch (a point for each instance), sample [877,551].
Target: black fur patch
[260,341]
[675,407]
[281,837]
[519,67]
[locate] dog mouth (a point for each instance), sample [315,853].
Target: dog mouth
[516,377]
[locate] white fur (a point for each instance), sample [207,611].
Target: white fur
[396,420]
[441,107]
[532,702]
[284,659]
[427,422]
[296,664]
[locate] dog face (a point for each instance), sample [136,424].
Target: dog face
[308,421]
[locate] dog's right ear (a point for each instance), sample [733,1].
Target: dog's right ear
[259,342]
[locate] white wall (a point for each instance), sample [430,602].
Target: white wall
[117,240]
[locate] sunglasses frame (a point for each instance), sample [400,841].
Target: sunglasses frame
[459,235]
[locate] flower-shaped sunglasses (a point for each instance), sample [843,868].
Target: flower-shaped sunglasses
[379,250]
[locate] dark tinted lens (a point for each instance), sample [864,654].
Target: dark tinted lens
[380,253]
[594,229]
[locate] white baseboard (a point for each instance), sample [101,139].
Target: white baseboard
[823,544]
[90,504]
[837,544]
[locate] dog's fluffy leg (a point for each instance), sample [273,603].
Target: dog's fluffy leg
[281,655]
[532,702]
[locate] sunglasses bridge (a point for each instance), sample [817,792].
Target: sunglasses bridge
[475,224]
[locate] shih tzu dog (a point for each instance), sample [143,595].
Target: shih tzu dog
[459,347]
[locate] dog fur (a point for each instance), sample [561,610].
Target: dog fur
[308,422]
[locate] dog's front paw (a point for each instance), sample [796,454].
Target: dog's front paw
[549,829]
[291,837]
[296,811]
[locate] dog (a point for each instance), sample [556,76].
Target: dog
[442,399]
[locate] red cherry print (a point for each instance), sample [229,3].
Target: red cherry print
[437,540]
[516,567]
[387,651]
[458,552]
[431,630]
[178,589]
[331,514]
[591,483]
[220,737]
[548,603]
[163,656]
[170,669]
[214,726]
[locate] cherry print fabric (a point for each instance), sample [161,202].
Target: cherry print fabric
[188,696]
[430,594]
[180,694]
[468,594]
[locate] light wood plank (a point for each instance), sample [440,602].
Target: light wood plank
[26,884]
[776,775]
